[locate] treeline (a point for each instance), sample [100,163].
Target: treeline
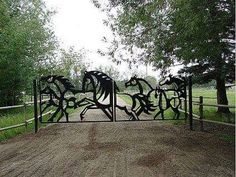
[120,80]
[29,49]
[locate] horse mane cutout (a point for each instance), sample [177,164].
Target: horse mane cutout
[102,81]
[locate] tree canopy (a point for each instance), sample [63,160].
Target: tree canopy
[29,48]
[197,34]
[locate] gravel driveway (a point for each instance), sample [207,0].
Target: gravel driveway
[122,149]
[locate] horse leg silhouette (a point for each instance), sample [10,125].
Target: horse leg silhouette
[131,113]
[63,112]
[175,108]
[54,115]
[160,106]
[160,112]
[92,106]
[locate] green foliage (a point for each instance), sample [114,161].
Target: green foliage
[198,34]
[121,85]
[25,42]
[70,63]
[151,80]
[228,138]
[209,112]
[184,31]
[29,49]
[110,71]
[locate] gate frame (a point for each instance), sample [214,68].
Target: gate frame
[113,99]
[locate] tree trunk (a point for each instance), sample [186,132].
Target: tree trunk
[221,95]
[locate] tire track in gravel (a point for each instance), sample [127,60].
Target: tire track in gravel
[133,149]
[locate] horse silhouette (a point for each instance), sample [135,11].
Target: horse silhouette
[102,88]
[145,104]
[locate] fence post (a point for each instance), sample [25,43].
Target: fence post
[40,103]
[201,112]
[190,104]
[35,107]
[26,123]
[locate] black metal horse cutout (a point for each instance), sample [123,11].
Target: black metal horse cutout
[62,95]
[57,88]
[171,96]
[102,88]
[101,93]
[141,102]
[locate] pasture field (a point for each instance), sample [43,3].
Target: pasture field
[210,113]
[18,116]
[14,117]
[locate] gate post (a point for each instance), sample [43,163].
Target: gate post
[35,107]
[190,102]
[201,112]
[113,101]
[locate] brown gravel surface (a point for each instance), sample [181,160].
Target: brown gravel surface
[121,149]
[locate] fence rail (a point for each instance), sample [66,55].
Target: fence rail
[29,121]
[201,105]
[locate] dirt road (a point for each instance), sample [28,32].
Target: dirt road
[127,149]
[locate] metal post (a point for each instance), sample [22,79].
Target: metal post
[113,101]
[201,112]
[35,107]
[40,103]
[190,104]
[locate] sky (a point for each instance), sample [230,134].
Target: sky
[79,23]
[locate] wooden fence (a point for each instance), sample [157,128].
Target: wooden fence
[24,106]
[201,105]
[26,121]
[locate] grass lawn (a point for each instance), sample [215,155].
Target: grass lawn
[210,113]
[17,116]
[13,117]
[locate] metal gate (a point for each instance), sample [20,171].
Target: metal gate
[99,91]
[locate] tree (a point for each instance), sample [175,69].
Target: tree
[71,65]
[151,80]
[198,34]
[26,45]
[110,71]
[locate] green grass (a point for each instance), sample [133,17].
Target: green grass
[212,93]
[209,113]
[13,117]
[228,138]
[168,113]
[17,116]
